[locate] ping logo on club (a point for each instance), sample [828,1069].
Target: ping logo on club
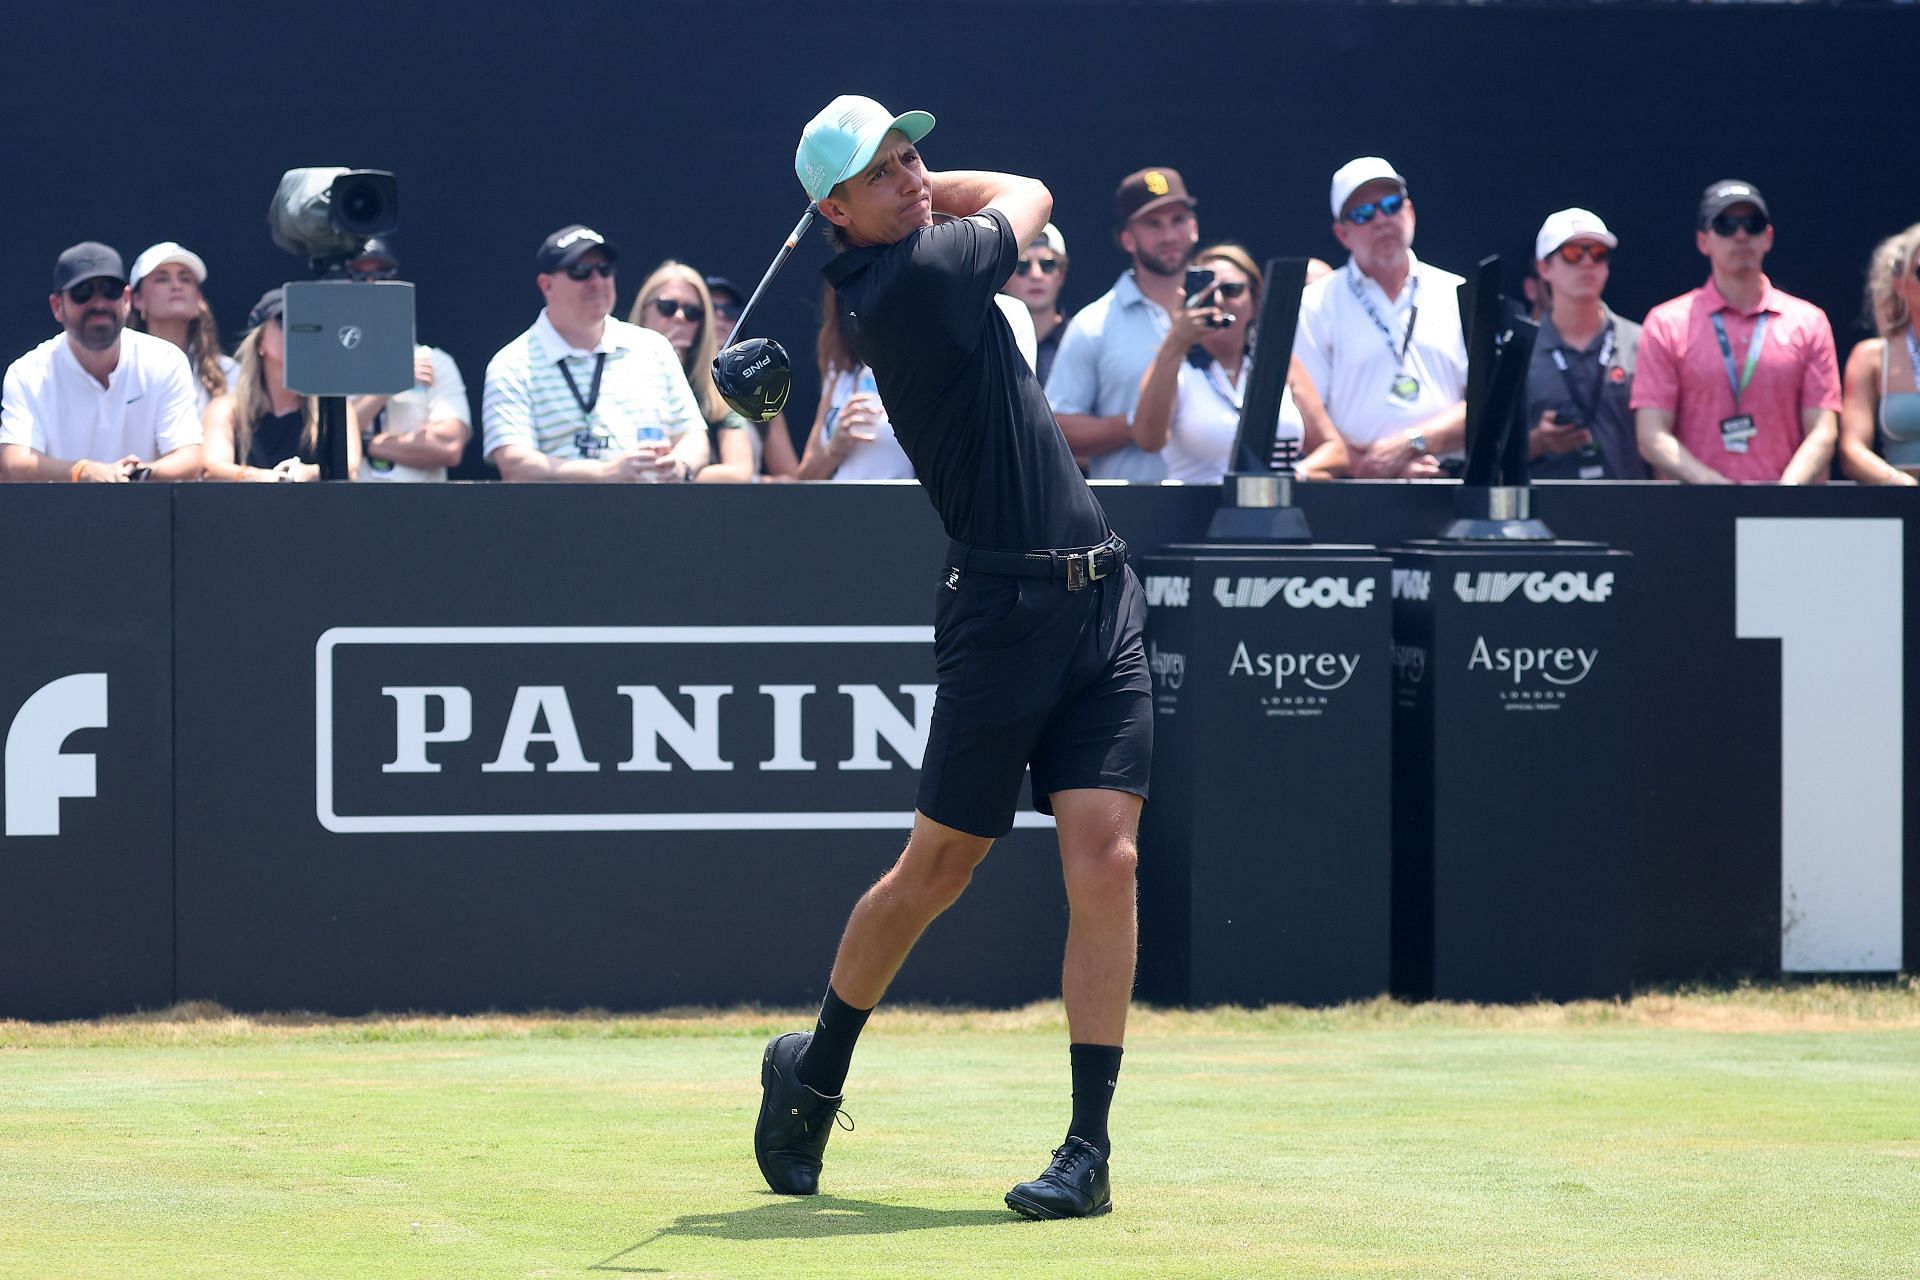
[476,729]
[1565,587]
[38,773]
[757,366]
[1296,593]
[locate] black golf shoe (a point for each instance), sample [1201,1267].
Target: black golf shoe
[795,1122]
[1074,1185]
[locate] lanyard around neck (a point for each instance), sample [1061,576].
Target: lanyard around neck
[1738,379]
[1573,393]
[592,397]
[1398,353]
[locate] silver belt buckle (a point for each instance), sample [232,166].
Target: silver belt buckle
[1079,571]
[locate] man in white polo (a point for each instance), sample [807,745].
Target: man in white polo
[1382,337]
[582,396]
[98,402]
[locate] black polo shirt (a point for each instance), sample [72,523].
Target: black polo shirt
[962,399]
[1588,387]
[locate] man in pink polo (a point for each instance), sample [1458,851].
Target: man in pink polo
[1737,382]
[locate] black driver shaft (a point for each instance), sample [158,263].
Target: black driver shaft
[780,260]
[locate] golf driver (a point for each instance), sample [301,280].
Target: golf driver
[754,374]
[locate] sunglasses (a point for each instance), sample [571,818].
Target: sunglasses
[1025,266]
[1386,206]
[1725,224]
[1594,253]
[86,289]
[585,270]
[668,309]
[727,310]
[1230,288]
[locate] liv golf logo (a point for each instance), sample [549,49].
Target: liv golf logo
[442,729]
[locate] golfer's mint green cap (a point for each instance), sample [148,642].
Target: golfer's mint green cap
[841,140]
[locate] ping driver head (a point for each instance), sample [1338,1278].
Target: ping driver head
[754,377]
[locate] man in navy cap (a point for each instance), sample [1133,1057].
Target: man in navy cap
[98,402]
[583,395]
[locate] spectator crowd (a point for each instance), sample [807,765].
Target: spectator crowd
[1733,381]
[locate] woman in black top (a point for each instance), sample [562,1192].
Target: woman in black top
[260,430]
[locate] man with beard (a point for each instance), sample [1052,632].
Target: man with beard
[1095,380]
[1382,337]
[1738,382]
[98,402]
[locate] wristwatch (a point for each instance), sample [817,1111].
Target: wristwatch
[1418,441]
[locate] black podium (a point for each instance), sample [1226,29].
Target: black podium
[1512,840]
[1265,847]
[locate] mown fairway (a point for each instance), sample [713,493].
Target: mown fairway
[1745,1134]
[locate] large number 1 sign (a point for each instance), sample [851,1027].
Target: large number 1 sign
[1831,591]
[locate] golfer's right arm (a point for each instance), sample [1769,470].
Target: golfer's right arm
[964,192]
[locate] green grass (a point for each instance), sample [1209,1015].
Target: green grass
[1752,1133]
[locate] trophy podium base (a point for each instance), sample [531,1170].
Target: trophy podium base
[1258,507]
[1496,513]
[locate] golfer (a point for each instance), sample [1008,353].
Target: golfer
[1037,632]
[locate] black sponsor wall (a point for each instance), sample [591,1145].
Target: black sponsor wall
[275,910]
[671,126]
[86,715]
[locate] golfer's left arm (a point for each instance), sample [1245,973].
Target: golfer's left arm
[1025,201]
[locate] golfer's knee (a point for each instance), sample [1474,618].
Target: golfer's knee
[934,874]
[1108,864]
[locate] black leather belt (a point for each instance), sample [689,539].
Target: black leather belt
[1077,567]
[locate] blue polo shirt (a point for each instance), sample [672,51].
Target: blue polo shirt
[1103,356]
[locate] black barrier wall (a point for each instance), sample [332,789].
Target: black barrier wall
[671,127]
[86,714]
[694,605]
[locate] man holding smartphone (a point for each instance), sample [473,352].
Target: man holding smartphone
[1580,380]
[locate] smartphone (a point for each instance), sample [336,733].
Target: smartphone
[1199,291]
[1199,281]
[140,473]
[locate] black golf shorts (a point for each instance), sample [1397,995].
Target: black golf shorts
[1033,674]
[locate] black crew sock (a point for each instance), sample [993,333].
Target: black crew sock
[823,1067]
[1096,1069]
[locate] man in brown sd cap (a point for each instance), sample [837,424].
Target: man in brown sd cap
[1095,379]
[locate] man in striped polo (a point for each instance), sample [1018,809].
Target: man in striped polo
[582,396]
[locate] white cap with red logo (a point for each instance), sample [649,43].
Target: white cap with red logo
[1571,224]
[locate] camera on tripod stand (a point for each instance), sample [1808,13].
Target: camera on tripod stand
[344,337]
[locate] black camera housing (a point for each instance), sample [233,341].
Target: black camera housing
[364,203]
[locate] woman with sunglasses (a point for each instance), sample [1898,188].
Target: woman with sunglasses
[1038,277]
[674,302]
[851,437]
[1580,380]
[1881,391]
[1190,398]
[260,431]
